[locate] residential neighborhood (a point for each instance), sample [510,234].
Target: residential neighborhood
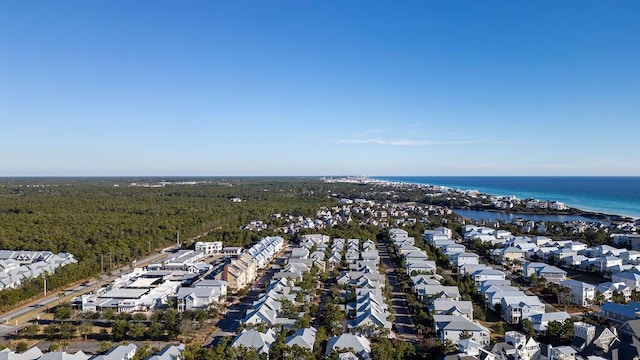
[419,277]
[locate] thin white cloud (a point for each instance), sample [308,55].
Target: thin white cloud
[409,142]
[381,142]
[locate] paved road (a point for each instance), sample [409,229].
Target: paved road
[230,322]
[324,293]
[405,328]
[13,320]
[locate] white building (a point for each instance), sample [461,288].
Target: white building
[582,293]
[209,248]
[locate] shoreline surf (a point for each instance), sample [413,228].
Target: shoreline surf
[605,212]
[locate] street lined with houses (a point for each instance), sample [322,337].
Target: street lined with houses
[403,322]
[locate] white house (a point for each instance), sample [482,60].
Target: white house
[421,267]
[577,246]
[540,321]
[517,308]
[582,293]
[466,258]
[432,236]
[250,338]
[523,348]
[305,338]
[605,262]
[495,293]
[453,249]
[551,273]
[631,279]
[122,352]
[196,298]
[450,327]
[487,274]
[452,307]
[359,344]
[170,352]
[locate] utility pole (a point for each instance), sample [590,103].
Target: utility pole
[45,284]
[102,263]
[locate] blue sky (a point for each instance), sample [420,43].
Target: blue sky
[319,88]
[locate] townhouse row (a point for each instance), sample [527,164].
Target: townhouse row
[121,352]
[17,266]
[243,270]
[366,314]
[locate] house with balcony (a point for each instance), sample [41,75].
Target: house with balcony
[452,307]
[582,293]
[630,278]
[487,274]
[209,247]
[541,321]
[466,258]
[620,313]
[450,327]
[605,263]
[551,273]
[517,308]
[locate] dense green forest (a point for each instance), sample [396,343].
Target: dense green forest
[93,219]
[107,219]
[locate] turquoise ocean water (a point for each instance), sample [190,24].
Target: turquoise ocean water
[611,195]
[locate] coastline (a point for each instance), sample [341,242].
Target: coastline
[614,218]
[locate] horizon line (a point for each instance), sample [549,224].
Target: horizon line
[293,175]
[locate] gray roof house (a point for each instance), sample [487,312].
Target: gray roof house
[305,338]
[32,354]
[420,266]
[487,274]
[360,344]
[122,352]
[371,317]
[518,308]
[426,291]
[453,307]
[540,321]
[631,279]
[196,298]
[172,352]
[451,327]
[551,273]
[61,355]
